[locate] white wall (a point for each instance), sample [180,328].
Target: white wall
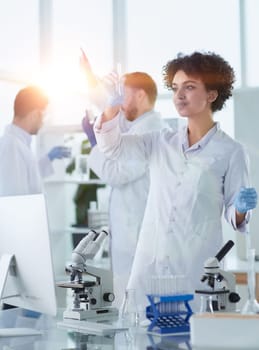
[246,111]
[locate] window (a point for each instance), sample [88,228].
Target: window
[8,91]
[83,23]
[180,26]
[252,46]
[19,36]
[77,23]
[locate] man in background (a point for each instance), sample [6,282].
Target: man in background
[20,172]
[129,182]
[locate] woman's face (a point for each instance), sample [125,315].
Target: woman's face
[190,95]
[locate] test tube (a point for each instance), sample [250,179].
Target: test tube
[91,115]
[119,72]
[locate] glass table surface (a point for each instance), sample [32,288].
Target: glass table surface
[55,338]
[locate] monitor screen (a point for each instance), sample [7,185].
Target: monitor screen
[24,234]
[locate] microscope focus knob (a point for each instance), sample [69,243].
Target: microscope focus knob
[234,297]
[108,297]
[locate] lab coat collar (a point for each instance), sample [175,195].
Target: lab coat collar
[148,113]
[201,143]
[20,133]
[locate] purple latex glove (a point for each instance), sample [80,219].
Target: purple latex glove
[88,129]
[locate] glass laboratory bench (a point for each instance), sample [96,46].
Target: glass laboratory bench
[55,338]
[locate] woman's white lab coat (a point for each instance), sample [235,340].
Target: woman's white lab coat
[19,169]
[129,190]
[188,192]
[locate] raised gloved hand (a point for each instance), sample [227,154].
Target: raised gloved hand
[59,152]
[111,83]
[102,92]
[88,129]
[245,200]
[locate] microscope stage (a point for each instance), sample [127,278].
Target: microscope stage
[76,285]
[212,292]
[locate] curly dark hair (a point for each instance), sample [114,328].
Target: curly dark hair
[212,69]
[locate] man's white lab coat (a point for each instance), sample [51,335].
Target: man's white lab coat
[19,169]
[130,186]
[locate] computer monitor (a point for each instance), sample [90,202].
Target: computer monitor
[26,271]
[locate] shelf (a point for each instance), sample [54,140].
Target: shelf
[77,229]
[74,181]
[71,229]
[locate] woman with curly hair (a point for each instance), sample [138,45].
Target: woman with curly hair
[197,173]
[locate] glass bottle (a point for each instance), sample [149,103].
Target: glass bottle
[251,306]
[129,314]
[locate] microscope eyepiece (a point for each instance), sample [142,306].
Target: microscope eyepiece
[224,250]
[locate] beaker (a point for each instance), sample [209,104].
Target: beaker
[129,313]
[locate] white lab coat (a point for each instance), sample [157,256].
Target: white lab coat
[188,192]
[19,169]
[130,184]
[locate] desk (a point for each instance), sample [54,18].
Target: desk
[54,338]
[61,339]
[239,268]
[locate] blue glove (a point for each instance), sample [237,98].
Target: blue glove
[246,200]
[59,152]
[116,101]
[88,129]
[112,85]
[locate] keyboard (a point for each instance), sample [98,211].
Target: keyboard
[18,332]
[87,327]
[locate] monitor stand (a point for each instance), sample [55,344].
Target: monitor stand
[7,264]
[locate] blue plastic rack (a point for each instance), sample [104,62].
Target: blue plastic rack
[169,313]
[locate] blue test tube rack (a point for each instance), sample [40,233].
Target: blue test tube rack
[169,314]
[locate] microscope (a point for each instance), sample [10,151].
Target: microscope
[92,298]
[220,294]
